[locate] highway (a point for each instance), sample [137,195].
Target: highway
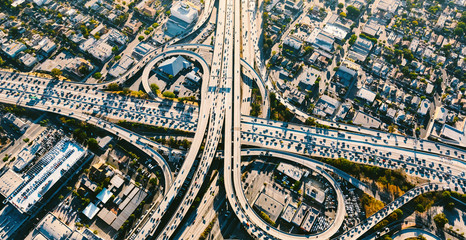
[220,115]
[436,165]
[211,111]
[138,141]
[371,221]
[30,90]
[224,49]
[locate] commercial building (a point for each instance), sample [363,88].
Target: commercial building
[424,107]
[311,216]
[13,48]
[51,227]
[26,156]
[43,176]
[361,49]
[300,214]
[121,67]
[19,124]
[363,119]
[28,60]
[366,94]
[326,106]
[9,181]
[183,16]
[90,211]
[192,76]
[454,134]
[288,213]
[269,206]
[291,172]
[142,49]
[174,65]
[314,193]
[308,78]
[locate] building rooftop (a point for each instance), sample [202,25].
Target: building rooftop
[13,48]
[104,195]
[288,213]
[300,214]
[366,120]
[424,107]
[56,162]
[315,193]
[311,216]
[116,182]
[453,134]
[90,211]
[184,12]
[9,181]
[269,206]
[291,171]
[366,94]
[50,227]
[174,65]
[26,156]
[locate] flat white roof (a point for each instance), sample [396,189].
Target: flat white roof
[62,157]
[9,181]
[104,195]
[91,210]
[290,171]
[366,94]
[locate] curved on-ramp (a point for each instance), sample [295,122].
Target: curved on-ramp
[414,232]
[252,221]
[169,50]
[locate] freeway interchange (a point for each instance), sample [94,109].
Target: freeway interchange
[219,116]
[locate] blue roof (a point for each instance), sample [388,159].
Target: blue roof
[174,65]
[104,195]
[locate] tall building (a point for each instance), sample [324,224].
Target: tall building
[183,16]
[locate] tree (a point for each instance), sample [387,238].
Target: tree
[154,87]
[115,49]
[98,75]
[168,94]
[458,31]
[56,72]
[83,69]
[440,219]
[140,38]
[93,144]
[340,5]
[168,13]
[343,14]
[353,12]
[153,181]
[352,39]
[113,87]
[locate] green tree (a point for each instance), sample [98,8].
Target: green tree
[154,87]
[140,38]
[340,5]
[353,12]
[97,75]
[168,94]
[113,87]
[440,219]
[343,14]
[93,144]
[153,181]
[56,72]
